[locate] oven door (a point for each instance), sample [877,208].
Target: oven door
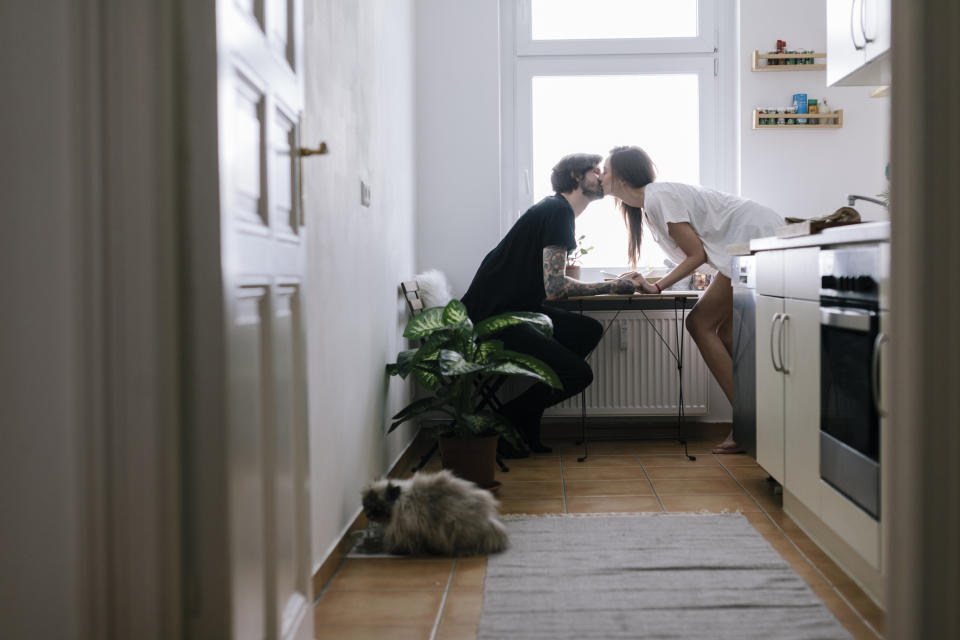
[849,422]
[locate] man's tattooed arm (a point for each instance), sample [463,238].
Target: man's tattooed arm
[558,285]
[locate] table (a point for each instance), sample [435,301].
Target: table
[676,300]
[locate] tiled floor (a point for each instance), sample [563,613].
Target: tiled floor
[442,598]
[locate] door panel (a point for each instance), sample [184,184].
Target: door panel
[802,401]
[264,260]
[769,387]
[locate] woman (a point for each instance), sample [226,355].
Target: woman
[694,226]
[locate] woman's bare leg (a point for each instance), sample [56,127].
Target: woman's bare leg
[710,324]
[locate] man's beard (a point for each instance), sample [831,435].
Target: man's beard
[593,194]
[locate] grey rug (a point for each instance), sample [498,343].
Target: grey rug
[646,576]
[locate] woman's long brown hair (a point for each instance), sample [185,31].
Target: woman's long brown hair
[633,166]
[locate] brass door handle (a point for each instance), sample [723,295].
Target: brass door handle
[303,152]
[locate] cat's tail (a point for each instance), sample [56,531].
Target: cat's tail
[496,539]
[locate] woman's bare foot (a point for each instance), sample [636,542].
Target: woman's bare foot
[728,445]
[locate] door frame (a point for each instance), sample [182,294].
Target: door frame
[126,138]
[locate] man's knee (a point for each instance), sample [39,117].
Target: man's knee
[577,378]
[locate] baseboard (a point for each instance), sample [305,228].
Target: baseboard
[633,428]
[837,549]
[417,448]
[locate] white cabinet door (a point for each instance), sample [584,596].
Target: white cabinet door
[876,27]
[801,377]
[769,386]
[845,41]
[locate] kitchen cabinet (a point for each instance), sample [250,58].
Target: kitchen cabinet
[788,369]
[858,42]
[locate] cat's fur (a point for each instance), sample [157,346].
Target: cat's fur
[434,288]
[435,513]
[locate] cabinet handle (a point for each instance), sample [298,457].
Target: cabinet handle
[773,329]
[783,330]
[853,37]
[863,26]
[875,373]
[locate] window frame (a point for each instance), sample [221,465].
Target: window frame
[703,42]
[523,58]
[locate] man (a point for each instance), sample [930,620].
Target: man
[525,270]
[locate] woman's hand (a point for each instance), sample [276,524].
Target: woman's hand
[639,282]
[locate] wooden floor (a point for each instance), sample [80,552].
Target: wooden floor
[442,598]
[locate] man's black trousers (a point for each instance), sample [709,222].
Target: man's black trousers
[574,337]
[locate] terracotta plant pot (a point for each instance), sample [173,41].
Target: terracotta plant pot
[472,459]
[573,272]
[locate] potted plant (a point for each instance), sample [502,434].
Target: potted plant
[574,257]
[455,360]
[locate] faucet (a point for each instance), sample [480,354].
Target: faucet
[851,199]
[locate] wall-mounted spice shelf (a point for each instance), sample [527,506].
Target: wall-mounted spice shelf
[786,65]
[835,120]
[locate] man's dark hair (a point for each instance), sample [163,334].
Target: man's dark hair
[568,173]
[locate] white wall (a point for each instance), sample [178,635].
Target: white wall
[360,100]
[806,173]
[458,135]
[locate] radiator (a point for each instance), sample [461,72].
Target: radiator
[635,375]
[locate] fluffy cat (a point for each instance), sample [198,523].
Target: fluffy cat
[435,513]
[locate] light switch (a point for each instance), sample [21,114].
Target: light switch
[364,194]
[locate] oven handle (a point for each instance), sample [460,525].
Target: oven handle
[773,327]
[852,320]
[875,373]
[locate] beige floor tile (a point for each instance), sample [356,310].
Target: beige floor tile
[403,608]
[827,567]
[613,504]
[678,460]
[470,573]
[580,474]
[715,504]
[758,486]
[748,472]
[769,503]
[530,474]
[513,490]
[659,447]
[690,471]
[593,462]
[638,487]
[695,486]
[531,506]
[534,462]
[366,574]
[604,447]
[371,632]
[463,606]
[447,631]
[736,460]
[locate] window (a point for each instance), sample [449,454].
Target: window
[590,76]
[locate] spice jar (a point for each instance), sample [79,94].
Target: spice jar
[813,107]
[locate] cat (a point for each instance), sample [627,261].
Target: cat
[435,513]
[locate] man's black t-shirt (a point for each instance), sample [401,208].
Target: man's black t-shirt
[510,278]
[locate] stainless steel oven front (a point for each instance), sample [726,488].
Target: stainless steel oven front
[850,341]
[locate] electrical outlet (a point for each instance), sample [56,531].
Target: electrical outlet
[364,194]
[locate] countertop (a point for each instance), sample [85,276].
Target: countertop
[862,232]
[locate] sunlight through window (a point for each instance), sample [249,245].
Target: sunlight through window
[593,114]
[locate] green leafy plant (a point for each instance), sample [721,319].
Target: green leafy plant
[454,360]
[573,258]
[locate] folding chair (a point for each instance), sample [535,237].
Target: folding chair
[488,390]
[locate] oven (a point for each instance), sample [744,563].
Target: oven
[850,341]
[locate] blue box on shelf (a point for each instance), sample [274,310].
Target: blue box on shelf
[800,102]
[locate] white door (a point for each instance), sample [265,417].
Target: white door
[770,385]
[260,97]
[801,408]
